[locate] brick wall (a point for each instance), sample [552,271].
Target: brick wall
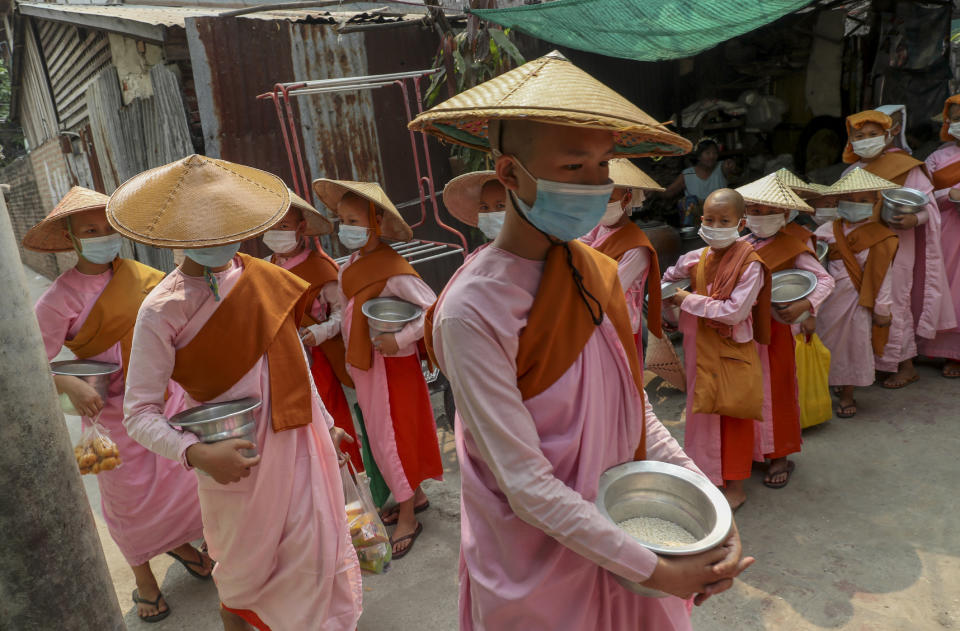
[37,182]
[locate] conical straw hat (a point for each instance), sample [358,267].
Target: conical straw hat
[819,190]
[549,90]
[858,181]
[317,224]
[661,358]
[197,202]
[47,236]
[331,191]
[627,175]
[461,195]
[770,191]
[804,189]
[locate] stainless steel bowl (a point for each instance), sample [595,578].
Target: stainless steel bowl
[669,290]
[95,373]
[213,422]
[670,312]
[823,249]
[389,315]
[902,201]
[790,286]
[648,488]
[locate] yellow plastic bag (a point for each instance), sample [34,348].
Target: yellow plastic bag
[813,372]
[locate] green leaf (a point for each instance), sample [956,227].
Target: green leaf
[505,45]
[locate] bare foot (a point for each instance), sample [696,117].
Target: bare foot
[779,473]
[906,375]
[734,493]
[147,589]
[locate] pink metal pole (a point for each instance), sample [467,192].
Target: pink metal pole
[416,157]
[286,139]
[293,133]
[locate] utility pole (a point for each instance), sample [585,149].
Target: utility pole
[52,571]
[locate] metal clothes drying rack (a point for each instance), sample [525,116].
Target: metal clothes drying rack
[416,251]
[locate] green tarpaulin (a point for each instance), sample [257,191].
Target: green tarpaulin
[645,30]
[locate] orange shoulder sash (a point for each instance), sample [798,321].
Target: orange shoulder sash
[627,238]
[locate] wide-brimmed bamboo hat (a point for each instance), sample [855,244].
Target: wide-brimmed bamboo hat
[393,225]
[461,195]
[626,174]
[793,181]
[858,181]
[549,90]
[47,236]
[317,224]
[197,202]
[771,191]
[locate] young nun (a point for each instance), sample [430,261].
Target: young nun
[769,202]
[854,320]
[824,205]
[320,327]
[623,241]
[898,125]
[224,326]
[921,298]
[944,167]
[727,310]
[150,503]
[538,421]
[386,371]
[799,218]
[479,200]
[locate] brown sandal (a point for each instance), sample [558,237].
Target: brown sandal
[412,538]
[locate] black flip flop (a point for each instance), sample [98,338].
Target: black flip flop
[775,485]
[186,564]
[412,538]
[157,617]
[841,414]
[416,511]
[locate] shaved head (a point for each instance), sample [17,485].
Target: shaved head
[518,137]
[725,200]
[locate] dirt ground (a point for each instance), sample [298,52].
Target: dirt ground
[863,538]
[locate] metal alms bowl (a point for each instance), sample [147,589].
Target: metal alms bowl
[648,488]
[902,201]
[668,290]
[213,422]
[96,374]
[823,250]
[789,286]
[389,315]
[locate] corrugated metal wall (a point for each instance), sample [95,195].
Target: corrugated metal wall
[38,117]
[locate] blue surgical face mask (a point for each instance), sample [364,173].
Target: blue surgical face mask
[855,212]
[565,211]
[353,237]
[793,215]
[216,256]
[101,249]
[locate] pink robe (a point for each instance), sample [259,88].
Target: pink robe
[763,431]
[326,309]
[279,536]
[632,268]
[535,552]
[947,342]
[702,433]
[844,326]
[371,385]
[149,503]
[920,292]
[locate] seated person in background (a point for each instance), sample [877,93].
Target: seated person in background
[698,181]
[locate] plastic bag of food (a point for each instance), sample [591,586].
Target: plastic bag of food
[96,452]
[367,532]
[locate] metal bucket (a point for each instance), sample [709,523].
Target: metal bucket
[648,488]
[96,374]
[790,286]
[213,422]
[389,315]
[902,201]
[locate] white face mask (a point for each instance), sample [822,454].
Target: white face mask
[765,226]
[216,256]
[613,214]
[855,212]
[101,250]
[281,241]
[719,237]
[824,215]
[869,147]
[491,223]
[353,237]
[954,130]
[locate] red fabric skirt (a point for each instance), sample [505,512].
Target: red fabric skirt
[249,617]
[331,393]
[736,447]
[414,428]
[784,395]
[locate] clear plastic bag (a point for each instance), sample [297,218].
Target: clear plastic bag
[96,452]
[367,532]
